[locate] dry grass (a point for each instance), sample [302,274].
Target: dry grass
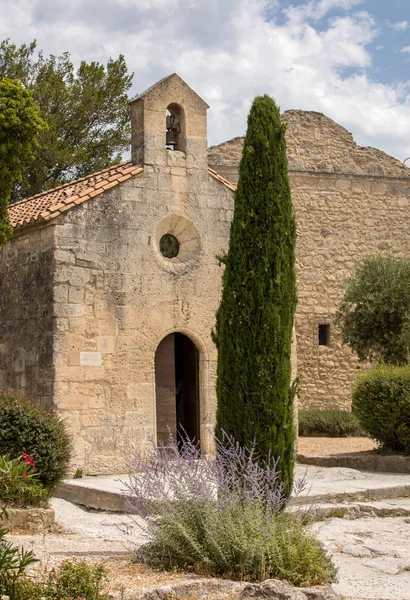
[129,575]
[323,446]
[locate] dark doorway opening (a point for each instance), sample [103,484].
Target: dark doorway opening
[177,388]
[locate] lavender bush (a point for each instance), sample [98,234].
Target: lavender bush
[222,517]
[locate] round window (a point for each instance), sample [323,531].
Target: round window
[169,245]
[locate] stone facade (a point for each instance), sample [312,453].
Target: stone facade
[110,285]
[349,202]
[113,297]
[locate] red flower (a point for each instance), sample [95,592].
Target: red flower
[33,469]
[27,459]
[25,474]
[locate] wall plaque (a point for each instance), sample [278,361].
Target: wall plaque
[90,359]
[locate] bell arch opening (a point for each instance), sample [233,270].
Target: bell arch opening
[175,127]
[177,388]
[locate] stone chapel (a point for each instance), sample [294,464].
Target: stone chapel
[110,284]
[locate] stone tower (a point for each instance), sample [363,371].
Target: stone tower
[186,123]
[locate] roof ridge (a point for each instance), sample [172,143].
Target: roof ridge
[223,180]
[71,183]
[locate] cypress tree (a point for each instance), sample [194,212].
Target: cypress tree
[254,321]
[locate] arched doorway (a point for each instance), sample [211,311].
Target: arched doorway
[177,387]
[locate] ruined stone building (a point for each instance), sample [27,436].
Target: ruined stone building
[110,284]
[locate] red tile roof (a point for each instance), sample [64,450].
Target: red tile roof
[47,205]
[51,203]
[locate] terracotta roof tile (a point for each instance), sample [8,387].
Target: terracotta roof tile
[50,204]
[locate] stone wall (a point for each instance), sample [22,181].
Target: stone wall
[349,202]
[117,297]
[26,317]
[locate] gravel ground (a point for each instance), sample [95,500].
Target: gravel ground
[323,446]
[371,553]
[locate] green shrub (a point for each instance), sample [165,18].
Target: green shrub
[331,423]
[74,581]
[13,564]
[236,542]
[381,400]
[26,427]
[19,485]
[70,581]
[221,517]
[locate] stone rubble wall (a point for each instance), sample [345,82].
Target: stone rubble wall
[26,315]
[314,143]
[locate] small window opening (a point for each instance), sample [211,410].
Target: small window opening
[175,128]
[324,334]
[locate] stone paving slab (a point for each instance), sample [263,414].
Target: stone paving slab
[397,507]
[368,461]
[324,485]
[372,555]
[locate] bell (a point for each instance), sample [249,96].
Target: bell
[173,129]
[172,137]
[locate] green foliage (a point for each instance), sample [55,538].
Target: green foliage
[78,474]
[331,423]
[26,427]
[71,581]
[19,485]
[375,310]
[20,123]
[381,400]
[255,318]
[13,563]
[86,111]
[236,542]
[76,581]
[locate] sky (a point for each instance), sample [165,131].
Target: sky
[349,59]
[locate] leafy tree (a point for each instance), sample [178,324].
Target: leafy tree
[375,311]
[254,321]
[20,123]
[86,112]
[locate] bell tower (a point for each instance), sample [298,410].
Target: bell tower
[169,117]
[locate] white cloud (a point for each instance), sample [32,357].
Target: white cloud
[399,25]
[405,49]
[317,9]
[231,50]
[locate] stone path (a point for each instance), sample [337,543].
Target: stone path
[372,555]
[324,485]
